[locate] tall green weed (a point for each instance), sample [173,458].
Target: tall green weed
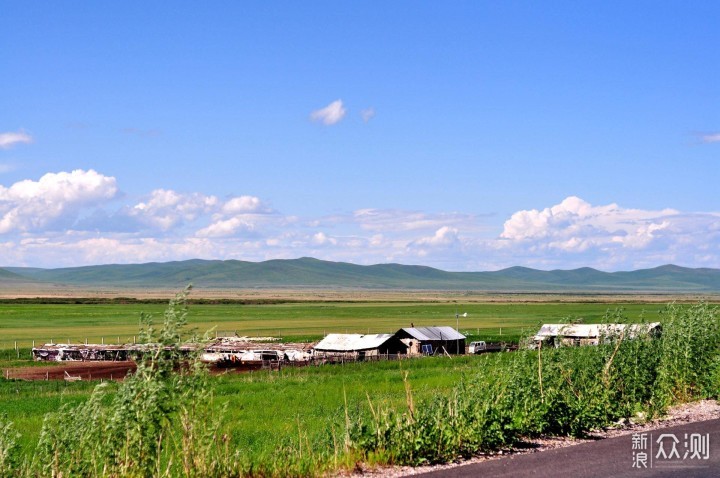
[563,391]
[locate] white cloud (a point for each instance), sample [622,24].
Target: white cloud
[166,208]
[65,219]
[575,233]
[367,114]
[321,239]
[240,214]
[57,197]
[574,221]
[243,205]
[331,114]
[442,237]
[10,139]
[226,227]
[711,138]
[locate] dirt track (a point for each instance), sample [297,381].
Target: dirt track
[84,370]
[96,370]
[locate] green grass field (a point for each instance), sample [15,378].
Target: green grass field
[298,416]
[269,409]
[25,323]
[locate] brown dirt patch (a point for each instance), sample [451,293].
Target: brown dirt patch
[84,370]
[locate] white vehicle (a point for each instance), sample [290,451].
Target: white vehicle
[477,347]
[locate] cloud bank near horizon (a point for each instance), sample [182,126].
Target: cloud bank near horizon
[82,217]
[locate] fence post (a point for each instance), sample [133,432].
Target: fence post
[102,340]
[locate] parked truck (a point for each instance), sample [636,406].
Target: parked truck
[477,347]
[481,347]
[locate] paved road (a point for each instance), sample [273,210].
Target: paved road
[612,457]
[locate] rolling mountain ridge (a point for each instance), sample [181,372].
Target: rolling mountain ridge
[315,273]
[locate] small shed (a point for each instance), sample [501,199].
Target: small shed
[432,340]
[592,334]
[358,346]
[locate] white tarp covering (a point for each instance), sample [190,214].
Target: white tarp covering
[351,342]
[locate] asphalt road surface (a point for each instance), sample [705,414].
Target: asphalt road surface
[689,451]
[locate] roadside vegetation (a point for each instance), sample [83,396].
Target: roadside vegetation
[172,419]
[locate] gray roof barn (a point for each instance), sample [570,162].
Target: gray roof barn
[433,333]
[432,339]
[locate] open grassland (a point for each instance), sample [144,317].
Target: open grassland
[166,421]
[24,323]
[268,409]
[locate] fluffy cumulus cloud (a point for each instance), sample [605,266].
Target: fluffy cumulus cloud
[575,225]
[329,115]
[11,138]
[227,227]
[575,233]
[53,201]
[166,208]
[239,215]
[80,217]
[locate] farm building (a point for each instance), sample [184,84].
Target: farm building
[359,347]
[81,352]
[242,351]
[432,340]
[223,351]
[591,334]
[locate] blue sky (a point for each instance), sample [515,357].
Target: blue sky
[460,135]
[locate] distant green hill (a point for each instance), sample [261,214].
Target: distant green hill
[7,276]
[309,272]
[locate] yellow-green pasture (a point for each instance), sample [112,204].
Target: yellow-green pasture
[60,323]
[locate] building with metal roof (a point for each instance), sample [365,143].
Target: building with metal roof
[592,334]
[432,340]
[359,346]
